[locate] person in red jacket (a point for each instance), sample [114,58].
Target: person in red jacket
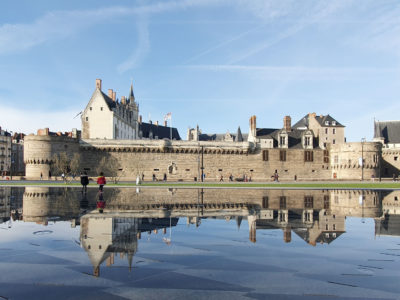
[101,204]
[101,181]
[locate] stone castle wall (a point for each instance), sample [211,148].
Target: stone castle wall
[40,150]
[345,160]
[182,160]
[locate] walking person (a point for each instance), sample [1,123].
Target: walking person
[41,176]
[101,204]
[84,182]
[101,181]
[63,177]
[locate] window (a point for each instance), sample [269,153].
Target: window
[101,108]
[90,108]
[336,199]
[282,155]
[265,202]
[308,156]
[333,142]
[282,140]
[308,202]
[326,122]
[326,156]
[334,226]
[334,130]
[326,130]
[326,228]
[326,202]
[265,155]
[334,123]
[395,158]
[282,202]
[87,119]
[307,141]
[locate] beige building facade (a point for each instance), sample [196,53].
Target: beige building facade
[5,152]
[106,117]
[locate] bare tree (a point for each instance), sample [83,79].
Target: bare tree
[110,167]
[60,164]
[75,163]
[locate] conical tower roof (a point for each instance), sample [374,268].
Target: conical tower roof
[239,136]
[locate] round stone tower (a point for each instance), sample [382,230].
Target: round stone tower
[40,149]
[359,160]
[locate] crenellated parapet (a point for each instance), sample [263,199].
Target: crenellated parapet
[167,146]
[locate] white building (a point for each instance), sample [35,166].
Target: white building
[105,117]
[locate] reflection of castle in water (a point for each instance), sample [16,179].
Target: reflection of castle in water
[103,237]
[316,216]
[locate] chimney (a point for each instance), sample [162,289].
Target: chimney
[98,84]
[165,123]
[140,119]
[287,123]
[312,115]
[287,235]
[156,123]
[253,125]
[114,96]
[123,101]
[110,93]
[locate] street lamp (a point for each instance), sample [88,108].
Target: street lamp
[362,159]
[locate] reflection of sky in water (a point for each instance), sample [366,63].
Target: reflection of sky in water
[215,260]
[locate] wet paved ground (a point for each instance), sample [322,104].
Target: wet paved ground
[213,261]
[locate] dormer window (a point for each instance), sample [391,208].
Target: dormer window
[282,140]
[333,123]
[327,123]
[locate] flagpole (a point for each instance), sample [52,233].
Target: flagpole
[170,127]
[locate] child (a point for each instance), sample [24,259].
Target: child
[101,204]
[101,181]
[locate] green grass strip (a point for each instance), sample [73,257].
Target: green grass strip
[328,185]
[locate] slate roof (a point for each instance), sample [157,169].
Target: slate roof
[110,103]
[303,122]
[294,136]
[220,137]
[390,225]
[162,132]
[389,130]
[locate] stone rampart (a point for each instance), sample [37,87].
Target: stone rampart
[185,160]
[39,152]
[346,160]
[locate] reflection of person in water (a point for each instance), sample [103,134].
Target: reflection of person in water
[101,204]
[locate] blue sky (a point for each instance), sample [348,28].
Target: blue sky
[208,62]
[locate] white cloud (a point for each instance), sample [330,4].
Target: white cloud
[299,72]
[62,24]
[141,49]
[28,121]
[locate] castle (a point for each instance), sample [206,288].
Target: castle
[314,148]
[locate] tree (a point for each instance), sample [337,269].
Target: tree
[110,167]
[75,163]
[60,164]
